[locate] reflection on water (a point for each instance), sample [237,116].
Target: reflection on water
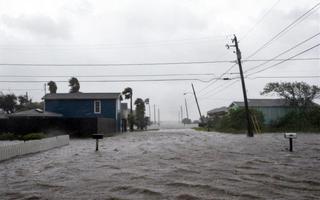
[169,164]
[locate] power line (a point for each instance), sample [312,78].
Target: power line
[287,28]
[274,59]
[222,89]
[263,77]
[274,65]
[99,76]
[157,42]
[102,81]
[215,80]
[284,52]
[21,89]
[135,64]
[115,64]
[259,21]
[214,89]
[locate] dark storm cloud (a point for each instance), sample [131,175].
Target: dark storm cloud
[38,25]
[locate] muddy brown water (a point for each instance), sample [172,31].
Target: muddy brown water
[169,164]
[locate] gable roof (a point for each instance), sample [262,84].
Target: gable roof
[217,110]
[34,113]
[80,95]
[262,103]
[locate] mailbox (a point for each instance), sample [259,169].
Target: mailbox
[97,137]
[290,136]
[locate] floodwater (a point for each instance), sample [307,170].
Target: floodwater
[180,164]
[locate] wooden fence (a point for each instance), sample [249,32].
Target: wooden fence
[32,146]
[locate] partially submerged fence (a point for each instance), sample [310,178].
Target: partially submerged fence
[32,146]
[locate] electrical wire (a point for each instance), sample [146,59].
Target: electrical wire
[115,64]
[284,52]
[102,81]
[259,21]
[278,35]
[215,80]
[133,44]
[21,89]
[274,59]
[287,28]
[274,65]
[222,89]
[263,77]
[99,76]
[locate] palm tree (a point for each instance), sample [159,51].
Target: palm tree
[127,92]
[140,114]
[52,87]
[74,85]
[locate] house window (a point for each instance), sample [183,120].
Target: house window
[97,107]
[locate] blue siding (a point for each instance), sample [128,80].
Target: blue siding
[82,108]
[272,114]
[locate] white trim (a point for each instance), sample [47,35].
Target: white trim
[94,107]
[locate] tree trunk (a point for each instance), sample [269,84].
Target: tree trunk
[131,112]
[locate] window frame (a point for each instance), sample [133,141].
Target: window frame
[94,106]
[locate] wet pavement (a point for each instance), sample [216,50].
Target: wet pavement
[169,164]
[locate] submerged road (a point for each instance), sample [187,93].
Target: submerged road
[177,164]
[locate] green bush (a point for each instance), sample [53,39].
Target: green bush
[33,136]
[235,120]
[300,120]
[8,136]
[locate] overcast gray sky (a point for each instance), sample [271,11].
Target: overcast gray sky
[143,31]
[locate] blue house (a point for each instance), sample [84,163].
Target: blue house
[104,107]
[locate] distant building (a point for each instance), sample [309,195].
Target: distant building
[272,109]
[218,112]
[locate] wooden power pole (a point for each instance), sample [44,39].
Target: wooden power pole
[238,52]
[195,96]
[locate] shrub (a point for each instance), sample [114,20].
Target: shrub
[235,120]
[8,136]
[300,120]
[33,136]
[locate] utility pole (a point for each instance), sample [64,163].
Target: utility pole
[154,113]
[238,52]
[185,102]
[45,89]
[159,116]
[149,111]
[181,111]
[195,96]
[45,92]
[147,101]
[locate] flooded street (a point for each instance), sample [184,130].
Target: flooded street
[169,164]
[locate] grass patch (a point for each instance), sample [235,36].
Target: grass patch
[8,136]
[30,136]
[200,128]
[33,136]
